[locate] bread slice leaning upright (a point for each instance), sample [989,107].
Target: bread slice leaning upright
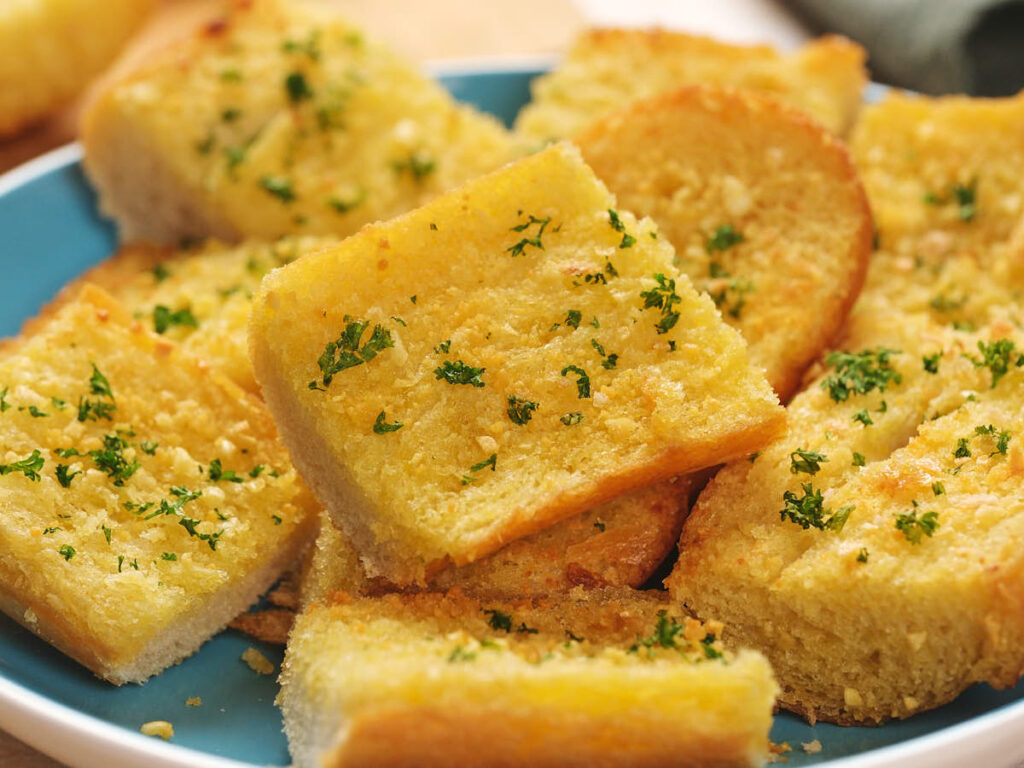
[512,354]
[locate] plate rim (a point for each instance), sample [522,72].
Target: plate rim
[91,742]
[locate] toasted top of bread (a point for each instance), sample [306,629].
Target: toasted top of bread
[199,297]
[512,354]
[883,529]
[762,205]
[146,499]
[51,49]
[614,677]
[278,120]
[607,68]
[619,543]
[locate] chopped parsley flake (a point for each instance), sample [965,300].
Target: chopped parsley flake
[938,488]
[491,461]
[518,248]
[443,347]
[663,297]
[160,272]
[106,532]
[664,635]
[582,381]
[148,447]
[348,202]
[170,556]
[963,195]
[860,373]
[862,555]
[724,238]
[1001,436]
[347,352]
[995,356]
[863,417]
[808,462]
[931,362]
[419,165]
[111,459]
[520,410]
[63,476]
[460,654]
[600,526]
[36,413]
[4,405]
[809,511]
[913,527]
[858,459]
[498,621]
[610,361]
[733,297]
[67,551]
[278,186]
[628,241]
[963,450]
[571,419]
[216,472]
[381,427]
[59,404]
[163,318]
[29,467]
[297,87]
[459,373]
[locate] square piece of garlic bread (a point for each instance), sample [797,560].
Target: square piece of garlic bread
[512,354]
[145,499]
[605,677]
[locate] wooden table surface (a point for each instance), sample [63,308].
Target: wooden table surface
[432,30]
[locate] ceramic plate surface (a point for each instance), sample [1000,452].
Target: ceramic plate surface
[49,233]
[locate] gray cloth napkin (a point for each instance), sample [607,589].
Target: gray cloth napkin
[933,46]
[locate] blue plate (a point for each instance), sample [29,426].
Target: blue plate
[49,233]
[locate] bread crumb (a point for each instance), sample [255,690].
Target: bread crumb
[160,728]
[811,747]
[193,701]
[775,751]
[852,697]
[257,662]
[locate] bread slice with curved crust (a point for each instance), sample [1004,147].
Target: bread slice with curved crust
[762,205]
[145,498]
[608,677]
[510,355]
[608,68]
[618,544]
[873,553]
[51,49]
[278,119]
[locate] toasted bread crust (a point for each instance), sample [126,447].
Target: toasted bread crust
[699,158]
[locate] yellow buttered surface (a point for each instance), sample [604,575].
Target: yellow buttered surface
[512,354]
[145,499]
[277,120]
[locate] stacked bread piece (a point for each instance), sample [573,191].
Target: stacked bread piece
[873,552]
